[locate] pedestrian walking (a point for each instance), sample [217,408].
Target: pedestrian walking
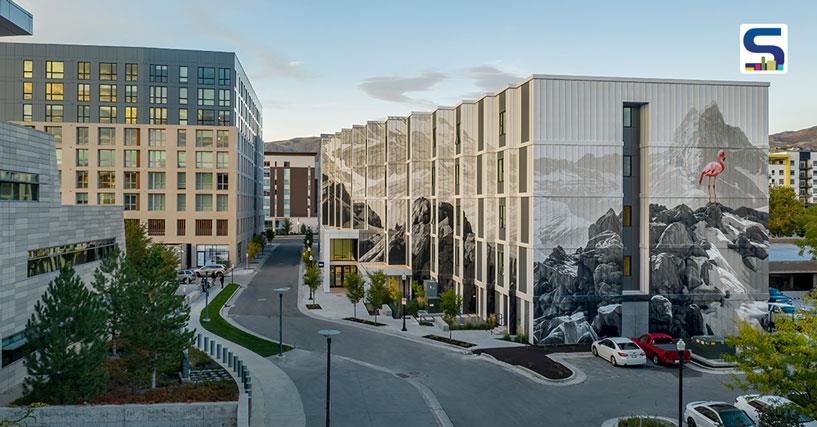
[221,277]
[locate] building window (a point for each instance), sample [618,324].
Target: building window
[156,181]
[156,159]
[181,226]
[222,160]
[181,138]
[222,181]
[106,180]
[224,97]
[207,97]
[106,198]
[131,72]
[628,117]
[158,73]
[131,181]
[54,91]
[28,69]
[82,179]
[83,70]
[157,137]
[181,202]
[224,76]
[55,132]
[107,71]
[627,266]
[626,216]
[158,94]
[222,202]
[183,74]
[182,116]
[628,166]
[54,113]
[107,114]
[207,76]
[132,137]
[131,94]
[206,117]
[130,115]
[83,113]
[28,90]
[156,227]
[82,198]
[182,96]
[156,202]
[158,115]
[54,69]
[46,260]
[224,118]
[27,113]
[204,202]
[107,93]
[500,169]
[131,201]
[58,154]
[106,136]
[502,218]
[204,159]
[204,227]
[222,227]
[83,92]
[222,139]
[181,180]
[19,186]
[106,158]
[501,123]
[82,157]
[204,138]
[82,136]
[204,181]
[181,159]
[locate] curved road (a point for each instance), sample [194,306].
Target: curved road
[471,391]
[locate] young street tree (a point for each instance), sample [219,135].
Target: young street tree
[355,290]
[110,281]
[66,333]
[155,319]
[286,226]
[377,292]
[785,212]
[783,362]
[451,305]
[312,279]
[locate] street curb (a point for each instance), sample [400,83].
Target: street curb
[613,422]
[577,376]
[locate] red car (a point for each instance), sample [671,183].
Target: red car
[660,348]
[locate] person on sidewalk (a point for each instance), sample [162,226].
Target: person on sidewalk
[221,277]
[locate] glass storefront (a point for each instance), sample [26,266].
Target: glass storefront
[212,254]
[337,273]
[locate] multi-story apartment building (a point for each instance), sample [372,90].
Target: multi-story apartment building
[568,207]
[290,190]
[172,135]
[38,235]
[795,170]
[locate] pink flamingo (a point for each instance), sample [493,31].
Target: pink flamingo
[711,172]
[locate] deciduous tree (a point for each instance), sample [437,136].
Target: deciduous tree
[785,212]
[355,289]
[377,291]
[451,305]
[312,279]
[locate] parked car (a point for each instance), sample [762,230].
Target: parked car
[775,295]
[619,351]
[660,348]
[185,276]
[715,414]
[209,269]
[755,404]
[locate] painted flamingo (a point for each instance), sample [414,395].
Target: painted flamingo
[711,172]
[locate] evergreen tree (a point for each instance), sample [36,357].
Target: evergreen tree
[110,282]
[66,335]
[154,318]
[136,241]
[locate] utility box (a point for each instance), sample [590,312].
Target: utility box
[432,298]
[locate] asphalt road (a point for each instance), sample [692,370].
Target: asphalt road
[471,391]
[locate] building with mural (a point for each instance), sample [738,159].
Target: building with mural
[567,207]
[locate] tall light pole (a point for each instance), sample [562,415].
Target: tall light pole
[403,303]
[681,347]
[328,333]
[280,292]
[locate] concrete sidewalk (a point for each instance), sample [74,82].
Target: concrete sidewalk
[275,399]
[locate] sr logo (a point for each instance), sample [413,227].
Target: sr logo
[764,48]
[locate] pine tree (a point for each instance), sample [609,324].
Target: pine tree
[110,281]
[155,318]
[66,334]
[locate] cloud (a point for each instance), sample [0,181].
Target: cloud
[395,88]
[490,78]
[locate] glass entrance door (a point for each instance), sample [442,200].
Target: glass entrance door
[338,274]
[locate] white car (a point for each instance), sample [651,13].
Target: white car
[209,269]
[715,414]
[755,404]
[185,276]
[619,351]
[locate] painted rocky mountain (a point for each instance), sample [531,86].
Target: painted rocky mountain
[578,295]
[706,268]
[421,239]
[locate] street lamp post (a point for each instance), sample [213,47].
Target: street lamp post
[403,303]
[281,320]
[681,347]
[328,333]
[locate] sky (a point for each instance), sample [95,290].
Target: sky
[319,66]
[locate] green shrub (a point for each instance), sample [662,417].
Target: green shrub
[642,422]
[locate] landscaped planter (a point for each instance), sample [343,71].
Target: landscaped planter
[451,341]
[639,421]
[365,322]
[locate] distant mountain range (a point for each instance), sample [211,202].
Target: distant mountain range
[303,144]
[803,139]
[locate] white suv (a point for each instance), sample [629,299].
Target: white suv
[209,269]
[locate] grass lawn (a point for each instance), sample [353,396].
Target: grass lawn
[222,328]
